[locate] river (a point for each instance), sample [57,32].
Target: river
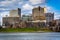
[30,36]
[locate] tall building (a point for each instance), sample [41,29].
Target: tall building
[15,13]
[49,17]
[13,18]
[27,17]
[38,16]
[38,13]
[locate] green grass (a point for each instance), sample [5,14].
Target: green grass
[23,30]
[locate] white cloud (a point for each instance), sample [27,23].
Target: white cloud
[37,1]
[20,3]
[3,14]
[57,16]
[49,9]
[52,10]
[4,3]
[8,3]
[3,9]
[27,7]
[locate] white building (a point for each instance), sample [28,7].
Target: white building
[13,18]
[49,17]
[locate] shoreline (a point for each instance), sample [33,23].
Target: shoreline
[27,32]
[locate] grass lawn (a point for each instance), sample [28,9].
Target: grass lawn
[23,30]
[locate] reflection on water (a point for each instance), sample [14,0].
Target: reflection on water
[29,36]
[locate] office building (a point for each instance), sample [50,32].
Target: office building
[49,17]
[38,13]
[13,18]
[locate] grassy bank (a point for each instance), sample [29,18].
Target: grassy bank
[24,30]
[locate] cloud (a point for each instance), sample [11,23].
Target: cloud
[3,3]
[57,16]
[27,7]
[52,10]
[37,1]
[3,9]
[49,8]
[3,14]
[9,3]
[20,3]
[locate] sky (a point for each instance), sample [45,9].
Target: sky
[27,6]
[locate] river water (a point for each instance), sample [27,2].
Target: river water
[30,36]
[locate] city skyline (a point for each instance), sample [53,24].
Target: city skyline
[28,5]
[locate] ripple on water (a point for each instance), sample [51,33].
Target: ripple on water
[29,36]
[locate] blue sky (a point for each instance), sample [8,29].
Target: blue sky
[54,3]
[55,7]
[28,5]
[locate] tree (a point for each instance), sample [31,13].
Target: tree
[52,23]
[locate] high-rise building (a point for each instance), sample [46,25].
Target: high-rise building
[27,17]
[38,16]
[13,18]
[15,13]
[49,17]
[38,13]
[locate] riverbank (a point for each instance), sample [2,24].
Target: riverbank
[28,30]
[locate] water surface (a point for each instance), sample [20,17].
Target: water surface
[30,36]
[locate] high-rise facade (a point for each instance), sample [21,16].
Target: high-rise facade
[38,13]
[49,17]
[13,18]
[27,17]
[15,13]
